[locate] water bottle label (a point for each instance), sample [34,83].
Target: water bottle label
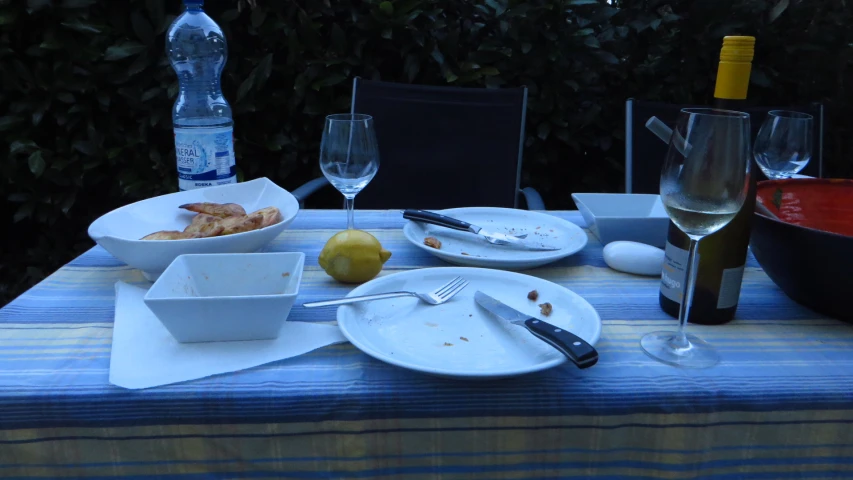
[205,157]
[674,273]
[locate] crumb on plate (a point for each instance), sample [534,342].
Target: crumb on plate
[463,339]
[446,344]
[545,309]
[533,295]
[432,242]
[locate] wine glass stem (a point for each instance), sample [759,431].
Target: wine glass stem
[350,202]
[680,340]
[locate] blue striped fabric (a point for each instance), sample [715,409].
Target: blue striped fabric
[780,404]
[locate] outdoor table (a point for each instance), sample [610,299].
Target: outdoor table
[779,405]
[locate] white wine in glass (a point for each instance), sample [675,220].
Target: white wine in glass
[703,186]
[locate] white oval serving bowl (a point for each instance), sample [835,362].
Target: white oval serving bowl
[120,230]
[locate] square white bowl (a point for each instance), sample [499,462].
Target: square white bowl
[226,297]
[624,216]
[119,231]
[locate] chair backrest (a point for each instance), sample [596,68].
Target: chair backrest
[443,147]
[644,152]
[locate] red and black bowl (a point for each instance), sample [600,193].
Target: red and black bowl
[808,250]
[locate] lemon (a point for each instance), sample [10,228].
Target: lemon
[353,256]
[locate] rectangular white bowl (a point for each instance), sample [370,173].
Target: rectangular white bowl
[624,216]
[120,230]
[226,297]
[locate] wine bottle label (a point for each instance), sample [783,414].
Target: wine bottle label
[730,287]
[674,272]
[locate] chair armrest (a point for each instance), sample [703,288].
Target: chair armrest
[533,199]
[305,190]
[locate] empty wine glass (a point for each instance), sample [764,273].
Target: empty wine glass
[349,155]
[703,185]
[784,143]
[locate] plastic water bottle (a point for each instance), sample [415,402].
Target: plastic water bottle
[204,142]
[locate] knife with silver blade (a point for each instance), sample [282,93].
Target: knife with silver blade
[494,238]
[575,348]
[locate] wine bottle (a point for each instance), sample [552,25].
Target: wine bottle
[722,255]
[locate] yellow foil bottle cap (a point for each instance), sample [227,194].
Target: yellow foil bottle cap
[735,67]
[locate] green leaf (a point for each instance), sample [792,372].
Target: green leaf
[583,2]
[437,55]
[230,15]
[84,147]
[156,12]
[80,26]
[777,10]
[150,94]
[262,71]
[258,16]
[8,17]
[758,77]
[7,123]
[387,8]
[411,66]
[606,56]
[24,211]
[22,146]
[36,5]
[489,71]
[387,33]
[338,40]
[140,63]
[66,204]
[497,6]
[141,28]
[65,97]
[123,50]
[78,3]
[329,81]
[543,130]
[36,163]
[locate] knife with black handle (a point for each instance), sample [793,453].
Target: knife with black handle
[576,349]
[440,220]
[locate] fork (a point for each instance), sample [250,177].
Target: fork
[435,297]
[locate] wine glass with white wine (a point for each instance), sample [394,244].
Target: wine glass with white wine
[349,156]
[704,183]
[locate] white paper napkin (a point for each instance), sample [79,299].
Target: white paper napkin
[144,354]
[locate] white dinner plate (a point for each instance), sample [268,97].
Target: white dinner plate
[464,248]
[459,338]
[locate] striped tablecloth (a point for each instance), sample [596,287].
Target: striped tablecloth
[779,405]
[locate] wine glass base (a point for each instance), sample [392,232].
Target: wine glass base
[697,354]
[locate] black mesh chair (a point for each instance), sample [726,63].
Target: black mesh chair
[644,152]
[442,147]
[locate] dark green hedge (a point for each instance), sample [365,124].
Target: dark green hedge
[87,90]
